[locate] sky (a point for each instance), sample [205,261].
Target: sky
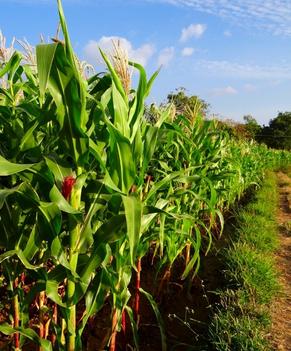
[234,54]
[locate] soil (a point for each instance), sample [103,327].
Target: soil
[281,308]
[185,306]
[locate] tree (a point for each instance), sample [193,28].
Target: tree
[278,134]
[253,129]
[189,106]
[235,129]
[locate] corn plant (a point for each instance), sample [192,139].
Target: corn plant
[89,186]
[83,193]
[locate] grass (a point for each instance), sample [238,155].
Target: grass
[253,271]
[241,321]
[242,332]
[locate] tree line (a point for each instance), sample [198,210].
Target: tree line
[276,135]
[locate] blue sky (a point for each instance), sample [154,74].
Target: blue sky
[235,54]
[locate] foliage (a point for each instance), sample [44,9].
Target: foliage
[189,106]
[252,127]
[234,329]
[89,187]
[248,130]
[278,134]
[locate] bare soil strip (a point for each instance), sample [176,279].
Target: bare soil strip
[281,308]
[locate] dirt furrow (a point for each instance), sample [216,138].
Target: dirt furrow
[281,308]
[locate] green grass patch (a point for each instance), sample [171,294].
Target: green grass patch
[241,321]
[253,271]
[239,332]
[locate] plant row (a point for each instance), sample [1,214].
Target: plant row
[92,182]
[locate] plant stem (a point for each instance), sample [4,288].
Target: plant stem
[164,281]
[187,254]
[73,259]
[55,321]
[137,292]
[113,331]
[41,319]
[63,328]
[123,327]
[71,326]
[16,316]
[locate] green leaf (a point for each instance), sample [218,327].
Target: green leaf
[28,333]
[59,169]
[133,213]
[58,252]
[6,255]
[151,135]
[151,81]
[52,287]
[52,216]
[97,257]
[45,54]
[140,99]
[94,299]
[158,316]
[120,113]
[8,168]
[133,326]
[165,181]
[33,244]
[122,166]
[28,141]
[151,212]
[107,180]
[112,230]
[11,66]
[196,257]
[4,193]
[57,198]
[19,253]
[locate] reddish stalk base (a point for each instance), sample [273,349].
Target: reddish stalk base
[137,292]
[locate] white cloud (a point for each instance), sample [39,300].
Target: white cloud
[229,90]
[275,82]
[188,51]
[244,71]
[270,15]
[227,33]
[192,31]
[166,55]
[249,88]
[141,54]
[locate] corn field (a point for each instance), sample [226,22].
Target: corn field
[92,182]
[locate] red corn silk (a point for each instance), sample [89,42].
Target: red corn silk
[67,186]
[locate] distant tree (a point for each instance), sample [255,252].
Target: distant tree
[151,113]
[278,134]
[253,129]
[235,129]
[189,106]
